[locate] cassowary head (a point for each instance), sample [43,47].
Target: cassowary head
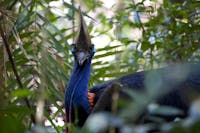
[83,49]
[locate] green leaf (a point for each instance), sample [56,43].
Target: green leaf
[20,93]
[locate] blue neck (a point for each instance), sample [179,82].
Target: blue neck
[76,95]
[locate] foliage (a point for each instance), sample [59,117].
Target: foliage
[39,35]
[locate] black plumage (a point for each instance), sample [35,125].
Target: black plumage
[178,82]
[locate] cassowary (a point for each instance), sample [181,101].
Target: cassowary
[175,81]
[76,96]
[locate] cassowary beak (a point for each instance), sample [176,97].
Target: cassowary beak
[81,57]
[82,41]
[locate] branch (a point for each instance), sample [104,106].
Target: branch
[138,17]
[11,6]
[5,41]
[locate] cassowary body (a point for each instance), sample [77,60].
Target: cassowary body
[175,82]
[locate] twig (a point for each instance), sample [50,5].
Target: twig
[73,23]
[138,17]
[11,6]
[5,41]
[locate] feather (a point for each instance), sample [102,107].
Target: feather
[175,85]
